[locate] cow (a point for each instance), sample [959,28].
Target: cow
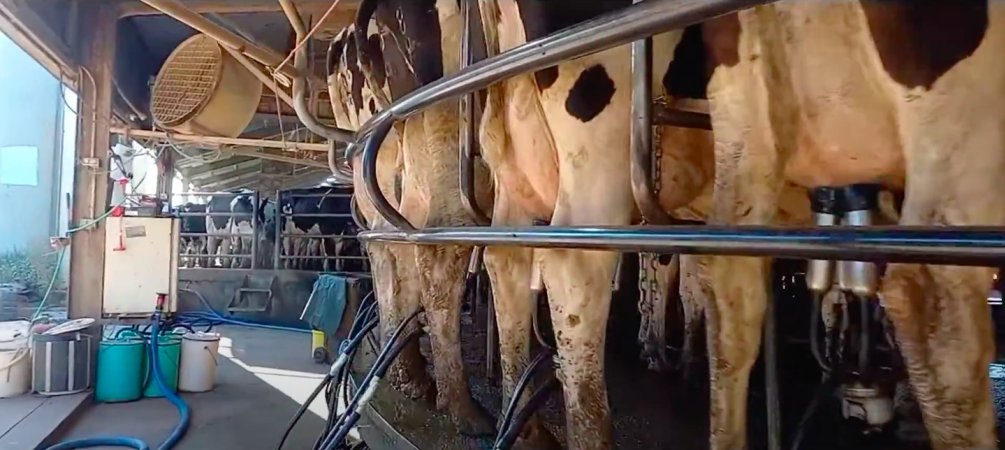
[557,142]
[354,103]
[302,207]
[229,227]
[834,94]
[420,45]
[193,245]
[268,227]
[785,83]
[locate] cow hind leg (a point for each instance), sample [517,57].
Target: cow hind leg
[953,146]
[942,323]
[211,246]
[695,294]
[734,318]
[441,272]
[509,270]
[397,297]
[579,292]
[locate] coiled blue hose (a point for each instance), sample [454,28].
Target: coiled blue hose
[130,442]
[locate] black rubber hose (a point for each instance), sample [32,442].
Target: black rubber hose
[512,431]
[388,347]
[815,333]
[343,428]
[863,342]
[521,385]
[822,388]
[303,408]
[352,344]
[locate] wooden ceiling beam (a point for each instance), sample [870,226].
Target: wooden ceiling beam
[314,7]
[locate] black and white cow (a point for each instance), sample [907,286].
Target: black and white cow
[230,233]
[313,241]
[193,245]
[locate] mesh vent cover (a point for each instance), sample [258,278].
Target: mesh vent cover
[187,81]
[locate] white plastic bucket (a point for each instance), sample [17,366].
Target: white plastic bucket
[15,359]
[198,362]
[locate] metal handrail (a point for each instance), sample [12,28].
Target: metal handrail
[217,235]
[319,236]
[607,31]
[976,246]
[643,183]
[318,215]
[214,214]
[315,195]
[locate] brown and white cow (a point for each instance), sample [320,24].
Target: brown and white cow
[838,93]
[418,43]
[557,142]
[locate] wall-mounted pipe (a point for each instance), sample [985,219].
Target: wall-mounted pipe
[974,246]
[466,145]
[607,31]
[300,85]
[340,172]
[216,141]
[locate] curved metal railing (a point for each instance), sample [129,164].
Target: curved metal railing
[604,32]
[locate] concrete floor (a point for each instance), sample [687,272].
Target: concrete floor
[263,378]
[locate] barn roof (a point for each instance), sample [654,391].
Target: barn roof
[145,38]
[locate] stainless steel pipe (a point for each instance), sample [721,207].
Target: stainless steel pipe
[643,183]
[607,31]
[300,85]
[466,145]
[974,246]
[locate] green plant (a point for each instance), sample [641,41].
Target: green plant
[31,269]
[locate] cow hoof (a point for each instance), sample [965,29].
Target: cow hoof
[418,390]
[535,436]
[474,423]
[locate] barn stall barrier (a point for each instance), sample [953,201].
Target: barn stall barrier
[253,235]
[282,259]
[949,245]
[257,291]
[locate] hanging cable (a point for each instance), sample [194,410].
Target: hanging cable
[370,382]
[329,384]
[509,434]
[521,385]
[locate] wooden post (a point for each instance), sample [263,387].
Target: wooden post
[87,250]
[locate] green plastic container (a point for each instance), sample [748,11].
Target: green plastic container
[169,357]
[120,369]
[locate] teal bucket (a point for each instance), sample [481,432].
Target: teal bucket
[120,369]
[169,358]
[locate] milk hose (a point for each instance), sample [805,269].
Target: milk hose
[130,442]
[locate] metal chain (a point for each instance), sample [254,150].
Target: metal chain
[643,280]
[648,283]
[657,152]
